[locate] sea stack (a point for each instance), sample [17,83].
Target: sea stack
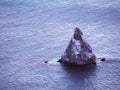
[78,52]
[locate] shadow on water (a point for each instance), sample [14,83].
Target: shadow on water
[80,71]
[80,76]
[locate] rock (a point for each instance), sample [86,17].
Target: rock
[46,61]
[78,51]
[103,59]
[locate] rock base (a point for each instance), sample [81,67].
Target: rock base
[76,64]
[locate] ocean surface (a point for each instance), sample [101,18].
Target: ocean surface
[34,31]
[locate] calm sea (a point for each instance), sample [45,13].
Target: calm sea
[32,31]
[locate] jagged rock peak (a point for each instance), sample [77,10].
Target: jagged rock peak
[77,34]
[78,50]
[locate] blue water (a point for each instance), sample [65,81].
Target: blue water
[32,31]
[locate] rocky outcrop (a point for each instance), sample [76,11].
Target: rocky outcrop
[78,51]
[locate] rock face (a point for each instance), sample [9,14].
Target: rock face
[78,51]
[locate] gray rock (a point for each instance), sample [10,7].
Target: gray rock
[78,51]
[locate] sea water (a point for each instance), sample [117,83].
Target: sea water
[33,31]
